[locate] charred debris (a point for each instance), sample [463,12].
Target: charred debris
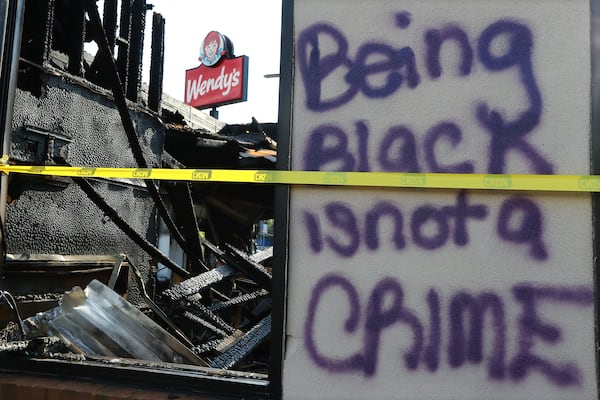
[88,264]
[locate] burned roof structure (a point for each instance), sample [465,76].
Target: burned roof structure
[232,209]
[179,261]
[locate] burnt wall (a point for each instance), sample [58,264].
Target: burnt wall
[53,215]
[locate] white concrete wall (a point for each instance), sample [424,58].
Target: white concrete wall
[449,294]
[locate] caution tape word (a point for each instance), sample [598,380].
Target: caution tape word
[554,183]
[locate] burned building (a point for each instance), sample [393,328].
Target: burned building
[178,260]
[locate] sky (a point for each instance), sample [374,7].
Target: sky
[254,28]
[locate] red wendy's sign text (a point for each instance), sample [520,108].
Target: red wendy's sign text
[223,83]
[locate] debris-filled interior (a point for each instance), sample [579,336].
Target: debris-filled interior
[129,272]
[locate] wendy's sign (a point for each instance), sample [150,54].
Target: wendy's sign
[220,79]
[224,83]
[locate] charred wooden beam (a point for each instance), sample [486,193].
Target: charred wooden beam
[14,347]
[239,300]
[242,263]
[136,44]
[204,312]
[198,320]
[245,264]
[98,72]
[263,257]
[123,42]
[69,27]
[206,347]
[202,281]
[244,346]
[198,283]
[157,310]
[185,217]
[156,62]
[37,30]
[110,22]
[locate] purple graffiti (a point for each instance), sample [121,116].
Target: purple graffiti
[507,135]
[400,65]
[398,148]
[379,317]
[341,217]
[531,327]
[530,227]
[343,231]
[403,19]
[454,135]
[316,67]
[434,39]
[380,210]
[328,147]
[431,354]
[385,308]
[469,347]
[339,365]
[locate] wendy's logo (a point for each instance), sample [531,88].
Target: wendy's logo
[214,46]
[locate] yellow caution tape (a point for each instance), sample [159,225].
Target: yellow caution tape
[560,183]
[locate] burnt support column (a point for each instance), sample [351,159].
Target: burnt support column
[74,37]
[136,44]
[98,71]
[37,30]
[123,41]
[156,62]
[110,22]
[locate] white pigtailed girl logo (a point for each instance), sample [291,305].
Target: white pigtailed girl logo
[220,78]
[212,49]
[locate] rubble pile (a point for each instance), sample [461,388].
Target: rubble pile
[219,319]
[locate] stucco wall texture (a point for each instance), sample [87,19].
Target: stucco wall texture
[46,216]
